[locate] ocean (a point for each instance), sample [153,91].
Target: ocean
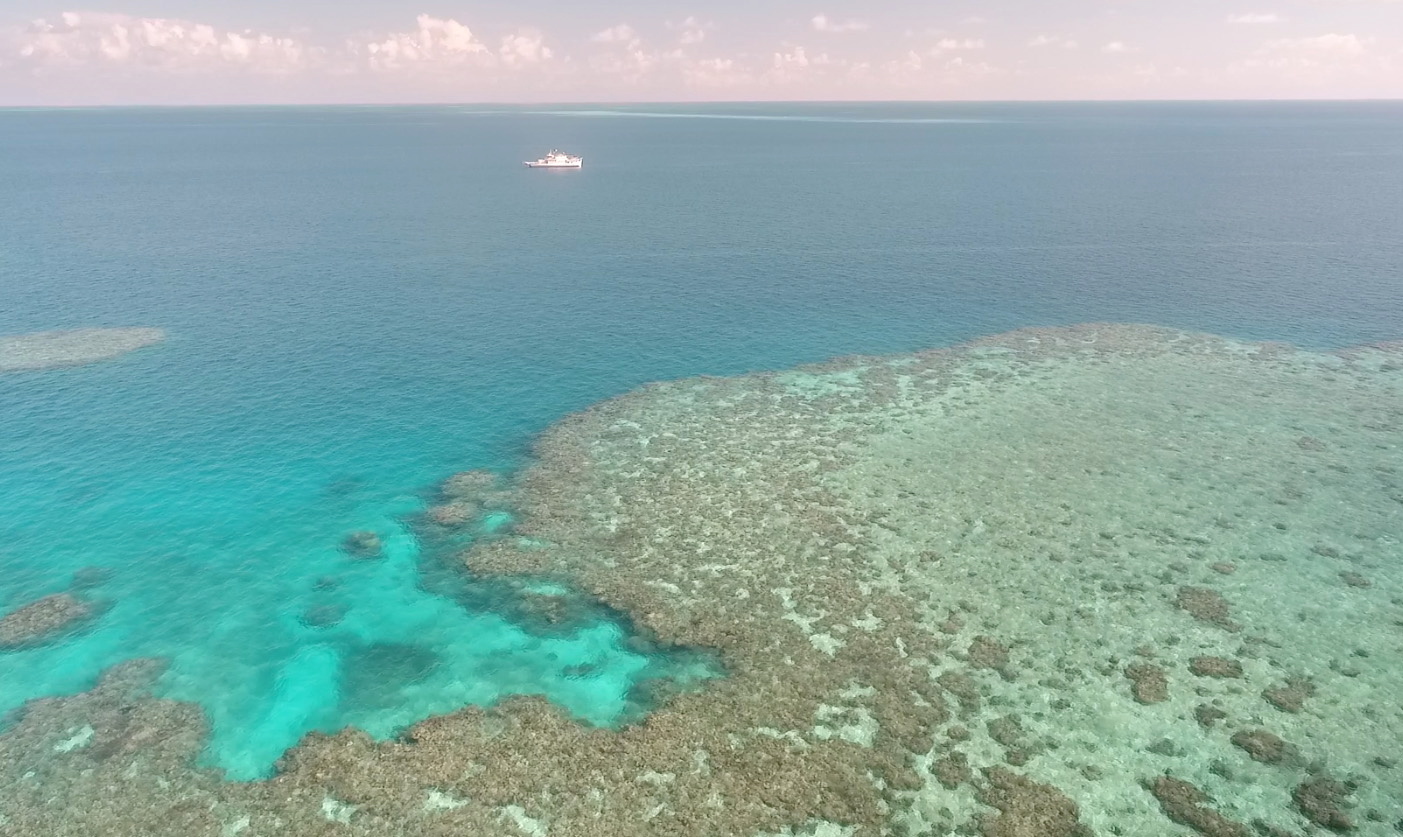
[361,302]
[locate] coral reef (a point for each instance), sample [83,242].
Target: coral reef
[1290,696]
[363,545]
[1263,746]
[1207,715]
[1321,799]
[861,543]
[1027,808]
[45,620]
[1354,579]
[89,577]
[453,513]
[323,615]
[1148,683]
[987,652]
[953,770]
[467,484]
[1187,805]
[1206,605]
[1215,667]
[55,349]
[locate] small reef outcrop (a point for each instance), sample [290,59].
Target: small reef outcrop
[45,620]
[1263,746]
[1290,696]
[57,349]
[1185,804]
[1148,683]
[463,497]
[1027,808]
[363,544]
[1206,605]
[1321,800]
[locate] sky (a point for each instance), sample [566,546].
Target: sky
[428,51]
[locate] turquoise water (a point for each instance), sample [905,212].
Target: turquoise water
[363,301]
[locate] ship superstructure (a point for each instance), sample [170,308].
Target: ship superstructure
[557,160]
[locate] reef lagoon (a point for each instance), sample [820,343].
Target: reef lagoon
[398,532]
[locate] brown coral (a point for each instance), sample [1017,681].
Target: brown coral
[1187,805]
[1263,746]
[44,620]
[963,687]
[1027,808]
[1207,715]
[952,769]
[1206,605]
[1290,696]
[1320,800]
[1354,579]
[467,484]
[453,513]
[987,652]
[363,544]
[1215,667]
[1148,683]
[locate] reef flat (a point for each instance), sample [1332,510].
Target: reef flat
[57,349]
[1093,580]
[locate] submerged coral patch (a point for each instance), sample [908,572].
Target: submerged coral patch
[54,349]
[45,620]
[973,590]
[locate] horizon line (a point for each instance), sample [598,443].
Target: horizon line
[700,102]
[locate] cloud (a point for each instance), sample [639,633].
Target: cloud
[620,34]
[823,23]
[1255,18]
[956,43]
[693,30]
[1320,59]
[435,42]
[80,38]
[1115,46]
[1053,41]
[624,55]
[791,59]
[716,72]
[523,48]
[1346,45]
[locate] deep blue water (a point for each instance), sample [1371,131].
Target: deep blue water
[363,301]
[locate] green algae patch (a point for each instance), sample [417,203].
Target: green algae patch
[926,578]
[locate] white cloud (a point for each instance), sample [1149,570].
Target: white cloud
[435,41]
[1053,41]
[1255,18]
[957,43]
[523,48]
[623,54]
[716,72]
[1320,59]
[969,68]
[621,34]
[78,38]
[823,23]
[1115,46]
[693,30]
[794,58]
[1345,45]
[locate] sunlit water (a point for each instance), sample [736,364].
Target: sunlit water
[364,301]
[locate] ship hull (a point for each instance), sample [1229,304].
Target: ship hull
[578,165]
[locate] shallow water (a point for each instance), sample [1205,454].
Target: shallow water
[361,302]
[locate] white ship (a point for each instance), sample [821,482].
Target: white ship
[557,160]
